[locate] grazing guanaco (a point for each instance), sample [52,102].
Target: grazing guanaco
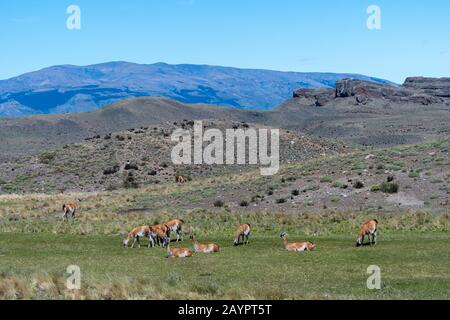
[70,209]
[180,179]
[297,246]
[175,226]
[178,252]
[244,232]
[159,235]
[369,229]
[136,234]
[204,248]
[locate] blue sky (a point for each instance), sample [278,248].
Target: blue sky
[287,35]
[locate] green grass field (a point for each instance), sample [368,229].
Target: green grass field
[37,246]
[414,265]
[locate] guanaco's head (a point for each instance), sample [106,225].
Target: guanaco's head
[311,246]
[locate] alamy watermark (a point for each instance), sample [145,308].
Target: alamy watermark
[208,147]
[374,281]
[73,282]
[374,19]
[74,20]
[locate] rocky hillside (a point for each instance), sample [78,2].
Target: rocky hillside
[371,114]
[136,157]
[30,135]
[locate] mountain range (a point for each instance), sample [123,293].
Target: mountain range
[69,88]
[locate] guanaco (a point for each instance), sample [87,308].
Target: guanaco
[369,229]
[159,235]
[70,209]
[297,246]
[178,252]
[242,232]
[136,234]
[204,248]
[175,226]
[180,179]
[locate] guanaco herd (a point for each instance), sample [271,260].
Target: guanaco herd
[161,235]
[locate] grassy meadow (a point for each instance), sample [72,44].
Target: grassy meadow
[413,253]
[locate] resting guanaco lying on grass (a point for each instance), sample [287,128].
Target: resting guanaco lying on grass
[369,229]
[244,232]
[204,248]
[297,246]
[70,208]
[136,234]
[178,252]
[175,226]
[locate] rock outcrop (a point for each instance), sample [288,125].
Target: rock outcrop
[317,97]
[424,91]
[438,87]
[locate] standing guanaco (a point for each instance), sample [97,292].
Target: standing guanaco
[369,229]
[204,248]
[178,252]
[136,234]
[70,209]
[175,226]
[244,232]
[159,234]
[297,246]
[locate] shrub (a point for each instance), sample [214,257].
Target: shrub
[414,174]
[111,170]
[218,204]
[360,166]
[256,198]
[326,179]
[280,201]
[295,192]
[131,166]
[389,187]
[358,184]
[334,199]
[375,188]
[130,182]
[244,203]
[206,288]
[340,185]
[46,157]
[311,187]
